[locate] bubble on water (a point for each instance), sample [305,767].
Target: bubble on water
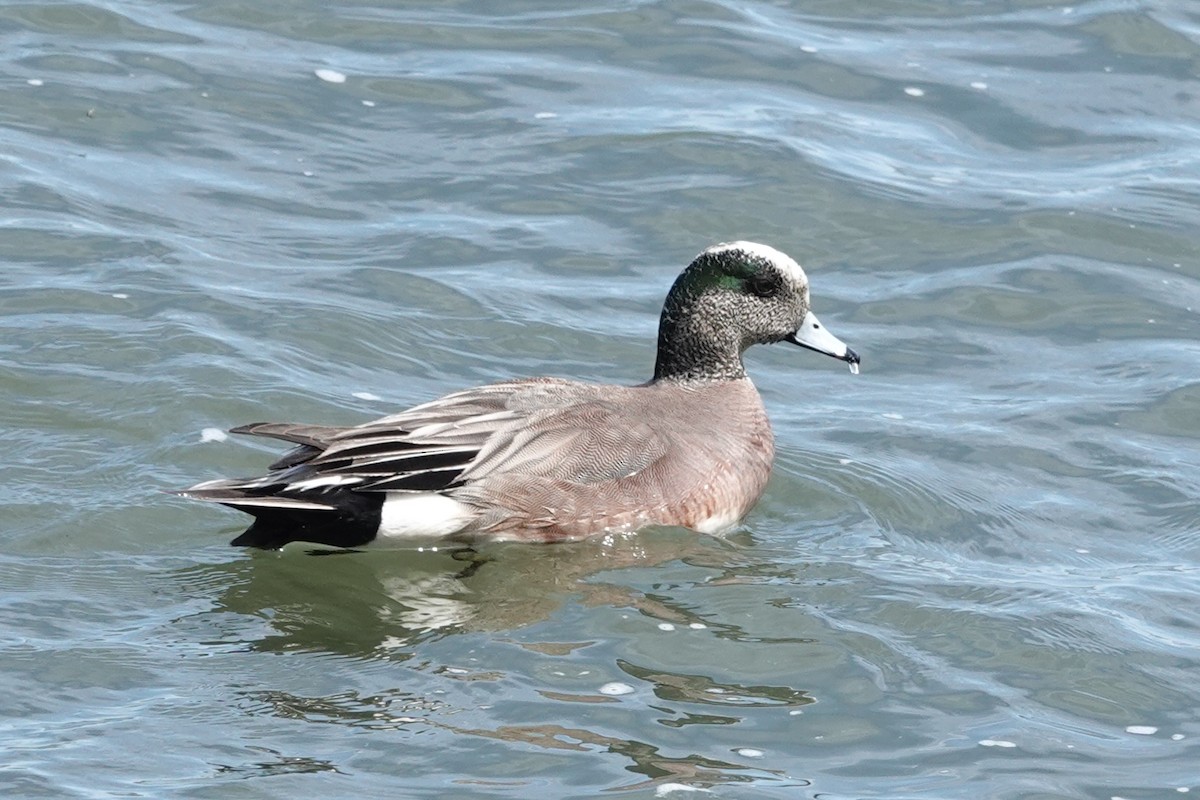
[697,626]
[35,82]
[366,396]
[330,75]
[749,752]
[980,85]
[913,91]
[1141,730]
[616,688]
[213,435]
[997,743]
[664,789]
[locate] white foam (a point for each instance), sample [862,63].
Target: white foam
[749,752]
[616,689]
[913,91]
[35,82]
[330,75]
[664,789]
[366,396]
[1141,730]
[213,435]
[666,626]
[997,743]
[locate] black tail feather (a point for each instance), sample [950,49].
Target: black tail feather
[353,523]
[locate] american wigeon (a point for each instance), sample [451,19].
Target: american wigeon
[546,459]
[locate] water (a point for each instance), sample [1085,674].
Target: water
[975,571]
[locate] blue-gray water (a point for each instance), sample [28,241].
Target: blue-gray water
[975,573]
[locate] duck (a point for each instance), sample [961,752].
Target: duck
[549,459]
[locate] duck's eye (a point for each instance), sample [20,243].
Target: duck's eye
[762,284]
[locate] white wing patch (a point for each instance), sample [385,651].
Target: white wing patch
[323,482]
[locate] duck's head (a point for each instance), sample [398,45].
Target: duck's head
[731,296]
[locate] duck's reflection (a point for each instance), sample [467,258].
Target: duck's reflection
[371,604]
[407,605]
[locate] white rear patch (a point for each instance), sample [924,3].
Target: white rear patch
[422,515]
[785,263]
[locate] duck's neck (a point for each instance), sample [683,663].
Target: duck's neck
[694,346]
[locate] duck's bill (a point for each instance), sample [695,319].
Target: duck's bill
[812,334]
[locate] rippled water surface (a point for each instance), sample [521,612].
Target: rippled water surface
[974,574]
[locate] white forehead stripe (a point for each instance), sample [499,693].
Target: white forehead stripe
[782,261]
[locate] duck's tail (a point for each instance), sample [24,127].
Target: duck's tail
[337,518]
